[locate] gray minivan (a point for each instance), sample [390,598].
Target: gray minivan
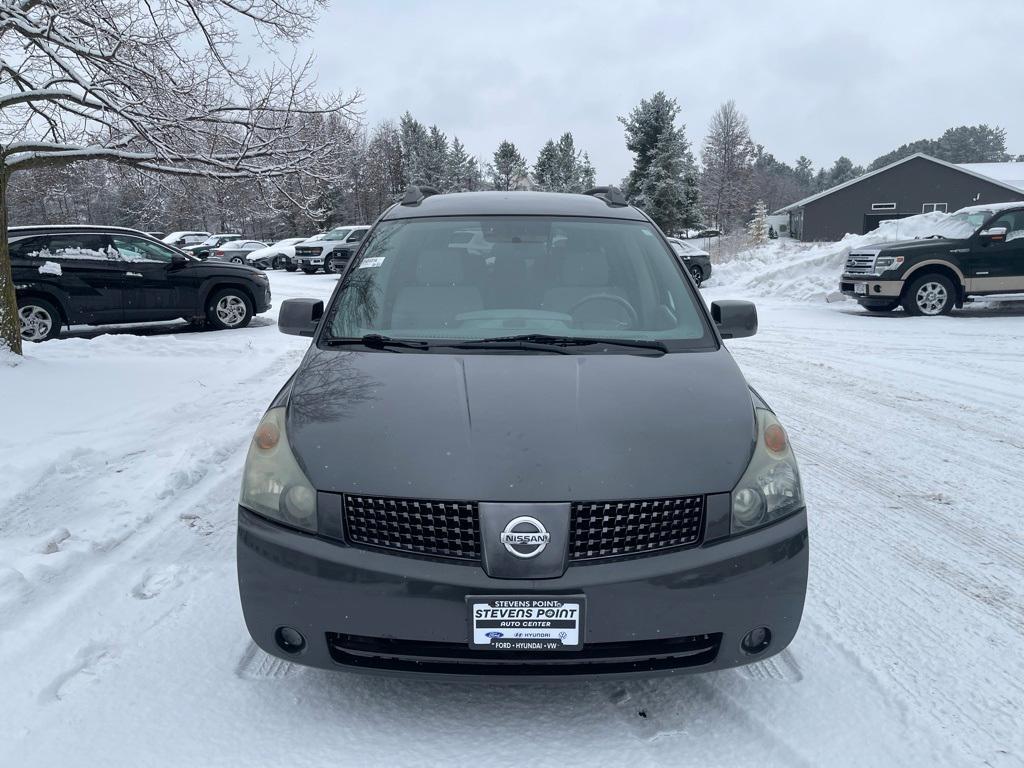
[532,460]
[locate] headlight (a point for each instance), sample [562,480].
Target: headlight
[885,263]
[273,484]
[770,488]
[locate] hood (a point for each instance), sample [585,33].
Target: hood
[518,428]
[911,246]
[221,266]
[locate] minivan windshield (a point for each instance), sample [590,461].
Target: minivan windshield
[570,278]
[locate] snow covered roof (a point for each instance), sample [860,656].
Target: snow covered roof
[990,207]
[1008,173]
[966,168]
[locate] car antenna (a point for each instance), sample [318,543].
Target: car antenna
[611,195]
[416,194]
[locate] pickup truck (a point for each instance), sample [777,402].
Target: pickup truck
[976,251]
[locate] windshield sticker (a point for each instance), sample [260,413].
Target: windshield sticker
[373,261]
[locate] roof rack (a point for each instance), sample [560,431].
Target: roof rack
[611,195]
[416,194]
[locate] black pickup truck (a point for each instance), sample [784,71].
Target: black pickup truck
[977,251]
[89,275]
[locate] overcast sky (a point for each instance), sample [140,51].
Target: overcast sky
[819,78]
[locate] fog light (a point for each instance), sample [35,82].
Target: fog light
[289,640]
[756,640]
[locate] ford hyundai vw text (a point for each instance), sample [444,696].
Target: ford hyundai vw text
[532,459]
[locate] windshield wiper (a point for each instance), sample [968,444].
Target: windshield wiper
[543,339]
[376,341]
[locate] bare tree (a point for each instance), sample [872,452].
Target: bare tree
[728,157]
[155,85]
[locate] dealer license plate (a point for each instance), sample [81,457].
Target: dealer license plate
[535,623]
[860,288]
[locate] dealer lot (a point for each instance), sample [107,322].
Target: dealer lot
[908,430]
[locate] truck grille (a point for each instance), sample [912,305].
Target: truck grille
[307,252]
[622,528]
[451,530]
[860,264]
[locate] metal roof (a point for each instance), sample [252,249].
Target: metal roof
[513,204]
[922,155]
[1008,173]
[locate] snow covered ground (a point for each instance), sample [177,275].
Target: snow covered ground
[122,641]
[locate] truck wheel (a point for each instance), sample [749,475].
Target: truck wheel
[229,308]
[40,320]
[930,294]
[887,307]
[697,273]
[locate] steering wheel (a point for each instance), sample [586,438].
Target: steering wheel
[634,318]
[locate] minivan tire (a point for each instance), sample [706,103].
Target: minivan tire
[228,308]
[931,294]
[46,319]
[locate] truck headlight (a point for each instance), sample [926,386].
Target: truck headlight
[885,263]
[273,484]
[770,488]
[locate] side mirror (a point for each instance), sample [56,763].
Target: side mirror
[993,234]
[299,317]
[178,261]
[735,319]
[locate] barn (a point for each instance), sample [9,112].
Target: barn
[916,184]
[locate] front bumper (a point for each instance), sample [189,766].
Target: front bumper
[374,611]
[869,287]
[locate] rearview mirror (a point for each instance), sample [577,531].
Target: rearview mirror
[299,317]
[735,319]
[993,234]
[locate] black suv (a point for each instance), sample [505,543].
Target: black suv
[977,251]
[99,275]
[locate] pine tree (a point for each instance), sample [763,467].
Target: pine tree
[728,156]
[545,170]
[435,160]
[586,176]
[414,149]
[663,191]
[456,167]
[644,128]
[509,167]
[757,227]
[654,139]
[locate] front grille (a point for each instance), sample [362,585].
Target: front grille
[597,530]
[448,529]
[618,529]
[860,264]
[306,252]
[458,659]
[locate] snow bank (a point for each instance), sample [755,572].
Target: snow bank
[809,271]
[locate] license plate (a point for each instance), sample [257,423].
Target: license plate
[860,288]
[534,623]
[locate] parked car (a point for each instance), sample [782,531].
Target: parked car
[291,264]
[331,252]
[276,256]
[563,473]
[236,251]
[976,251]
[696,260]
[184,239]
[89,275]
[707,234]
[203,249]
